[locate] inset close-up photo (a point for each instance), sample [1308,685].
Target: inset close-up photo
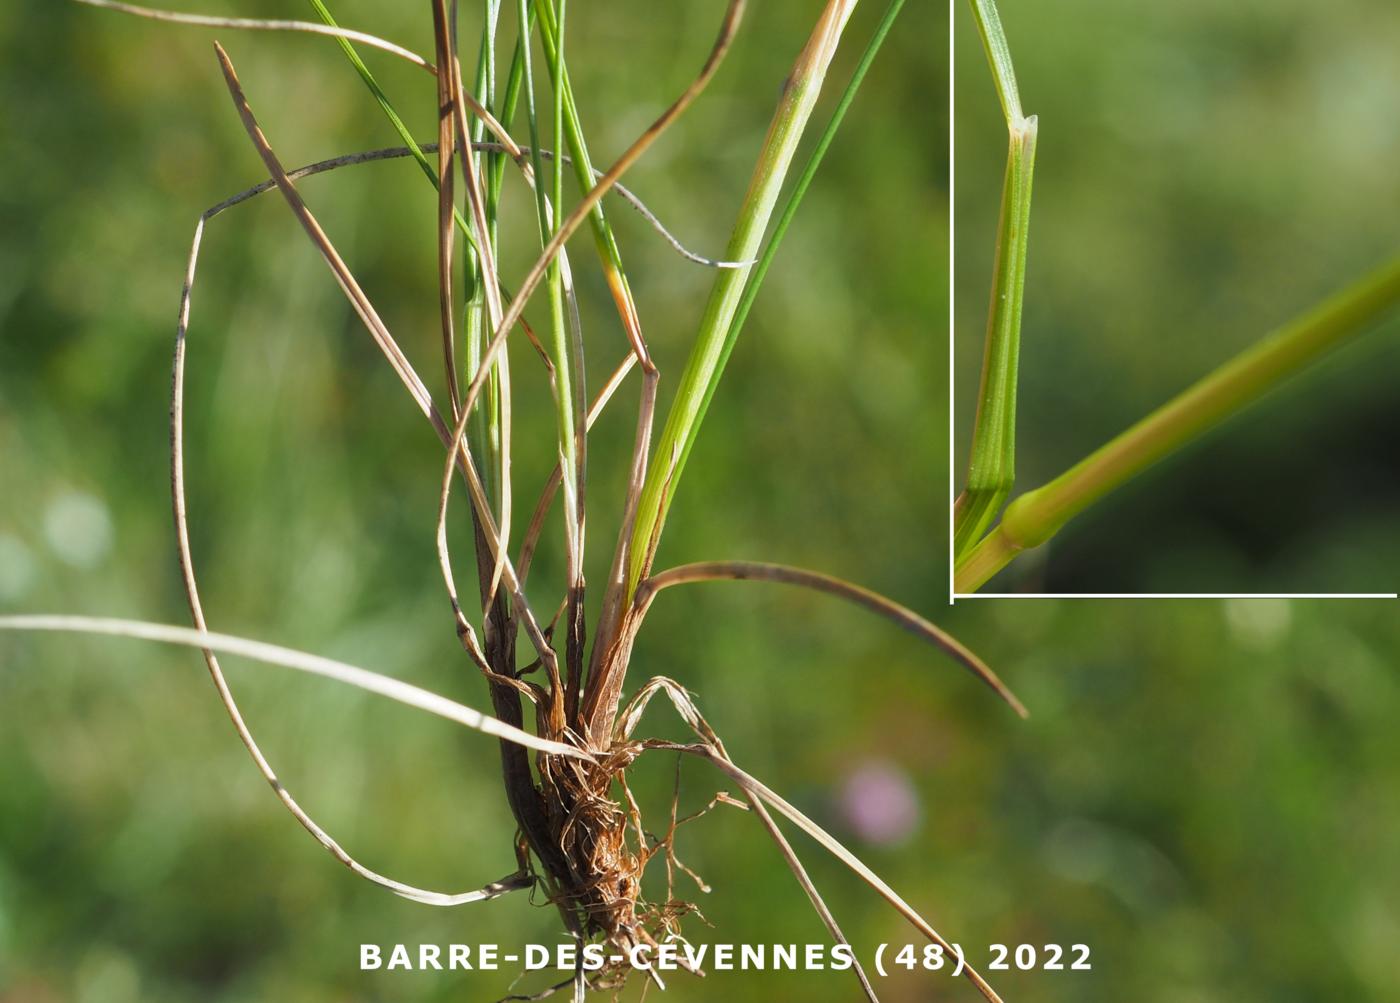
[1176,286]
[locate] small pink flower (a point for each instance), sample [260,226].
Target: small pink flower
[879,803]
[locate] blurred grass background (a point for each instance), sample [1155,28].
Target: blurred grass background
[1204,794]
[1205,173]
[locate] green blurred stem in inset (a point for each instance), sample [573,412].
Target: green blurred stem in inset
[992,467]
[1037,515]
[734,290]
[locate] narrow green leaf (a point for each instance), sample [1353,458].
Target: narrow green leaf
[735,290]
[998,56]
[1036,516]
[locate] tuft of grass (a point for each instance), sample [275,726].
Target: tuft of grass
[567,735]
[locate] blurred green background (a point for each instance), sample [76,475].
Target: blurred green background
[1205,173]
[1204,794]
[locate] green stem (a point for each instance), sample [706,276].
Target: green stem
[485,428]
[992,464]
[718,329]
[799,190]
[603,236]
[991,470]
[565,398]
[1036,516]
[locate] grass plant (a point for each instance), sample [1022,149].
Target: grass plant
[556,677]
